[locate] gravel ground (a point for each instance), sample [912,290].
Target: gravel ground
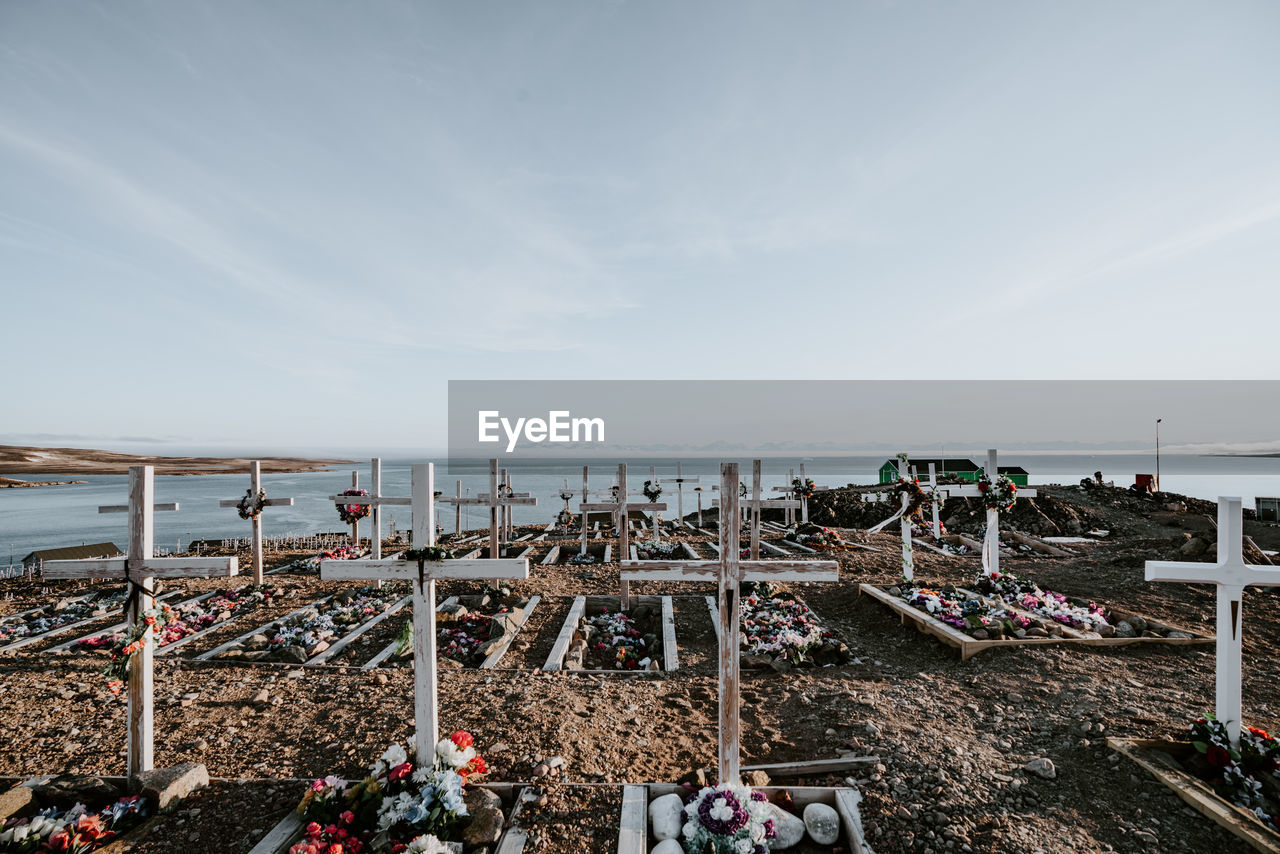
[953,738]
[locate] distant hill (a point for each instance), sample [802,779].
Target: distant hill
[19,459]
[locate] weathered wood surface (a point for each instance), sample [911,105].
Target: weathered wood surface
[351,636]
[670,660]
[815,766]
[491,661]
[633,821]
[555,661]
[707,570]
[1240,822]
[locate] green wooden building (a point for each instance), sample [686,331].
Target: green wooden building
[961,468]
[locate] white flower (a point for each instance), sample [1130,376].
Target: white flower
[720,810]
[744,846]
[395,755]
[428,844]
[452,755]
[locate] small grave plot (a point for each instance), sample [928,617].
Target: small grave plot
[517,549]
[433,805]
[316,632]
[79,814]
[599,637]
[188,620]
[780,631]
[1084,619]
[801,820]
[1236,788]
[471,631]
[666,550]
[312,564]
[816,538]
[566,819]
[56,618]
[596,554]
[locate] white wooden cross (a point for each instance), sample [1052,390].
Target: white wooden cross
[991,543]
[653,516]
[255,486]
[620,508]
[729,572]
[803,499]
[495,499]
[756,503]
[1230,575]
[680,480]
[375,501]
[141,568]
[423,574]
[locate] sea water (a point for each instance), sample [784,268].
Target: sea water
[50,517]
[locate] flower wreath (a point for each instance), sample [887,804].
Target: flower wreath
[728,819]
[132,642]
[250,507]
[352,513]
[652,490]
[742,490]
[506,490]
[998,495]
[910,486]
[1236,771]
[803,487]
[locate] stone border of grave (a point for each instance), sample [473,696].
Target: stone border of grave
[969,647]
[579,607]
[633,835]
[1147,753]
[289,829]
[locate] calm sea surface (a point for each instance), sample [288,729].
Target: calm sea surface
[48,517]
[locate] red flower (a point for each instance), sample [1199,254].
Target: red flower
[347,817]
[462,738]
[1218,757]
[400,772]
[314,829]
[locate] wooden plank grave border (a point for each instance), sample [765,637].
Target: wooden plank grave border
[670,653]
[1237,821]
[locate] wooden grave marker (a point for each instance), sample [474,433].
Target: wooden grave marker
[140,569]
[423,574]
[255,489]
[680,480]
[495,499]
[619,507]
[756,503]
[1230,575]
[991,542]
[729,572]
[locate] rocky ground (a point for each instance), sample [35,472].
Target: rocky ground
[1004,752]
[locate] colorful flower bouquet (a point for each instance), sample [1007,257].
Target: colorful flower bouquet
[971,614]
[582,559]
[330,621]
[728,820]
[352,513]
[652,490]
[616,640]
[780,627]
[192,617]
[650,550]
[340,553]
[73,830]
[251,506]
[462,639]
[52,617]
[1248,775]
[399,807]
[1053,606]
[999,494]
[803,487]
[816,537]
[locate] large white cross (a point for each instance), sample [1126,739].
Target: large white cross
[1230,575]
[141,568]
[423,574]
[680,480]
[991,543]
[904,522]
[495,499]
[620,508]
[255,487]
[756,503]
[729,572]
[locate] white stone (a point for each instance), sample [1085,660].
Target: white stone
[666,816]
[667,846]
[823,824]
[789,828]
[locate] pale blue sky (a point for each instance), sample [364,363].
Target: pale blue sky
[290,223]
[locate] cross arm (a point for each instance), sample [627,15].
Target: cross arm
[164,567]
[124,508]
[403,570]
[708,570]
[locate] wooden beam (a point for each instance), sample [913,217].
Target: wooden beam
[633,822]
[555,661]
[491,661]
[670,661]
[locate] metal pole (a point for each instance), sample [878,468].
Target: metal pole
[1158,420]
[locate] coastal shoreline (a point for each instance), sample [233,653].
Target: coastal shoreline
[20,459]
